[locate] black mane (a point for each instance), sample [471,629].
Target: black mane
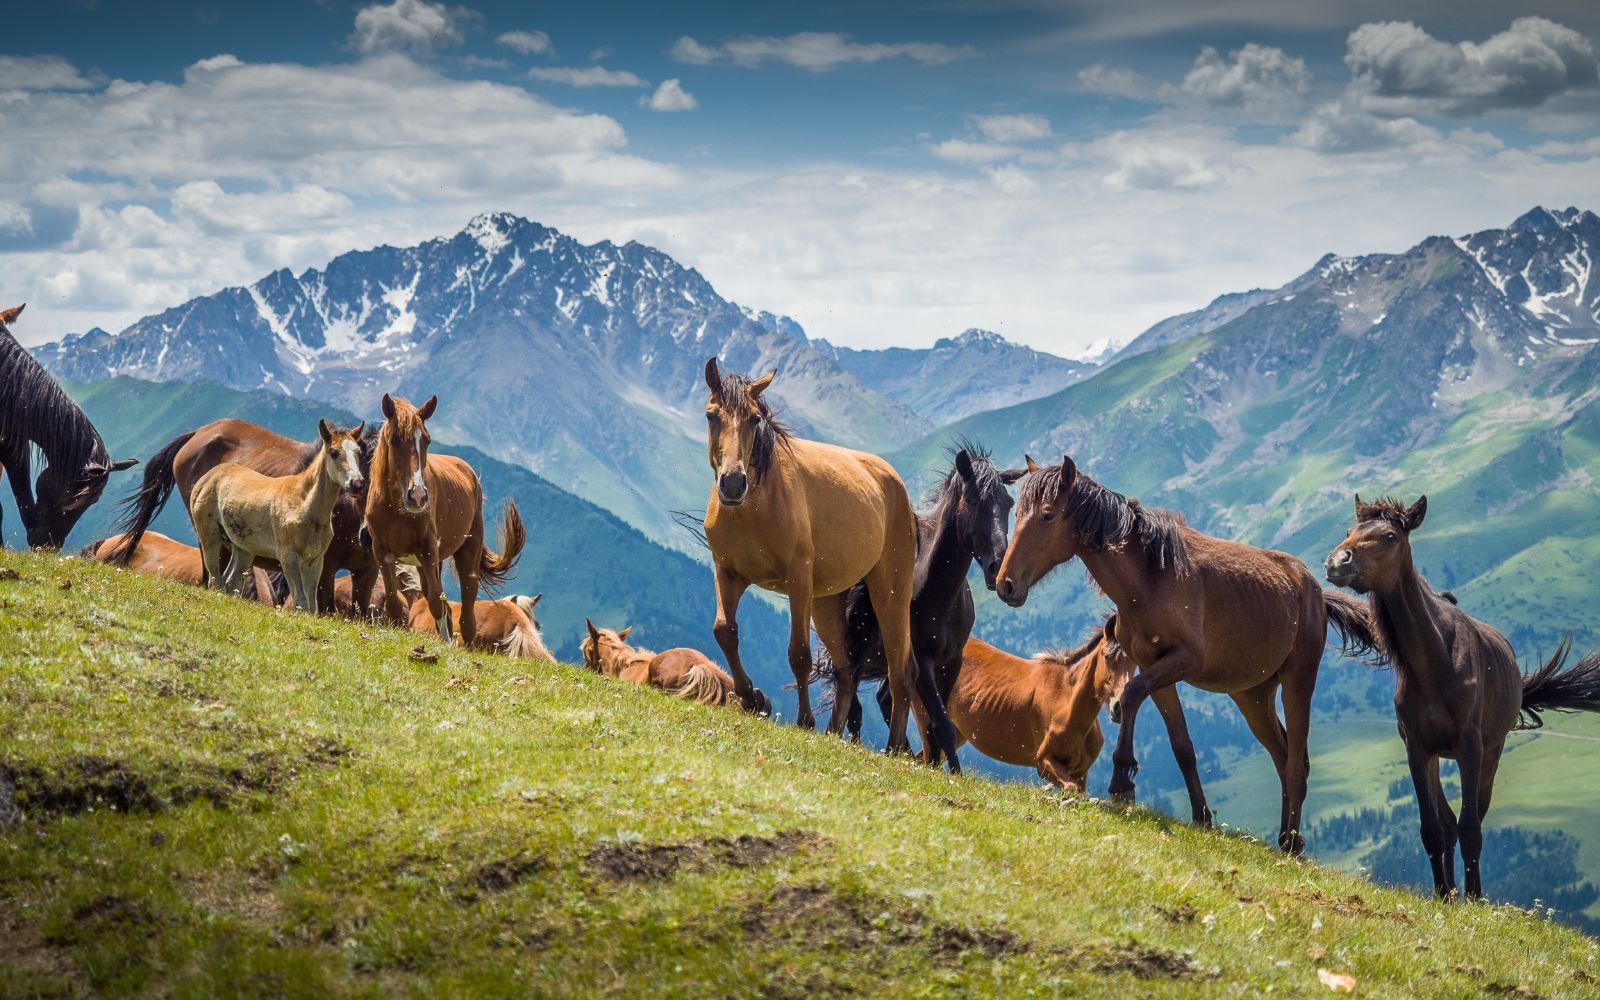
[1102,517]
[734,395]
[34,408]
[946,494]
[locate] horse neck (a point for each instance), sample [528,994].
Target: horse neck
[1422,652]
[1120,572]
[318,488]
[382,484]
[943,562]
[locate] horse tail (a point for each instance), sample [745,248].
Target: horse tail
[702,686]
[1550,688]
[494,568]
[141,506]
[1353,619]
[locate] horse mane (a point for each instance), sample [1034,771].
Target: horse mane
[734,394]
[1388,643]
[1383,509]
[37,409]
[946,494]
[1102,517]
[1074,660]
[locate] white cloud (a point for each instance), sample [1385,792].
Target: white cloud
[408,25]
[40,73]
[969,152]
[670,96]
[529,43]
[586,76]
[1013,128]
[1120,81]
[1011,179]
[817,51]
[1255,76]
[1398,69]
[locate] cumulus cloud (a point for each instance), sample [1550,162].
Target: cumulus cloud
[40,73]
[1398,69]
[586,76]
[816,51]
[408,25]
[529,43]
[1120,81]
[670,96]
[1259,79]
[1013,128]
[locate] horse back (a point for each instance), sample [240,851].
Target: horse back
[670,668]
[239,442]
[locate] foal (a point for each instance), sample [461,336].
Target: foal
[1457,688]
[286,518]
[686,673]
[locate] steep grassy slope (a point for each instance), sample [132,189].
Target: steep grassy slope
[223,799]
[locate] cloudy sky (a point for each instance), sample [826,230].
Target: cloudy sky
[886,172]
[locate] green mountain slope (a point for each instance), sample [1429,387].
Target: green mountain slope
[217,798]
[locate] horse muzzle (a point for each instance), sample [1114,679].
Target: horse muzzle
[732,488]
[355,484]
[1340,568]
[417,498]
[1012,593]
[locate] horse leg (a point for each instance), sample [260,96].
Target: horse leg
[326,571]
[731,587]
[890,598]
[1261,715]
[1169,668]
[1298,683]
[1469,757]
[1425,780]
[361,585]
[311,569]
[290,561]
[1171,709]
[466,560]
[827,614]
[1056,772]
[800,640]
[433,590]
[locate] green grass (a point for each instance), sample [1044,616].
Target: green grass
[222,799]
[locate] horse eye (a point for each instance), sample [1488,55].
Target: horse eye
[1049,515]
[1390,536]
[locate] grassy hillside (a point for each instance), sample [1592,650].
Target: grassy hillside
[218,798]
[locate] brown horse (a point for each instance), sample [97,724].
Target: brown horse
[158,555]
[241,515]
[1457,688]
[811,520]
[504,626]
[685,673]
[428,509]
[180,464]
[1220,615]
[410,589]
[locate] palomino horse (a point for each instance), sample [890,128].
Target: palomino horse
[158,555]
[685,673]
[1220,615]
[288,519]
[505,626]
[810,520]
[180,464]
[1457,688]
[34,412]
[968,522]
[428,509]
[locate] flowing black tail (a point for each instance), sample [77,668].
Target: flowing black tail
[141,506]
[1353,619]
[1550,688]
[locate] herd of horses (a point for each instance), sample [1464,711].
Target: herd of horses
[361,520]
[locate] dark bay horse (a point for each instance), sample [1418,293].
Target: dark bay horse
[187,457]
[1457,688]
[969,518]
[810,520]
[429,508]
[35,413]
[1225,617]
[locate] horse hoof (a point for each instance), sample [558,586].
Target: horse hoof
[1204,818]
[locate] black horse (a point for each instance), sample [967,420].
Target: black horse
[35,413]
[969,521]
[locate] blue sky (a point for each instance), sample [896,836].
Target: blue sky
[1063,171]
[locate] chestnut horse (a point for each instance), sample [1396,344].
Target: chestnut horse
[505,626]
[158,555]
[36,413]
[810,520]
[1220,615]
[180,464]
[410,589]
[685,673]
[428,509]
[1457,688]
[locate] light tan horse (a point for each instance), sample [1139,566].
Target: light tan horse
[685,673]
[504,626]
[810,520]
[428,508]
[285,518]
[170,559]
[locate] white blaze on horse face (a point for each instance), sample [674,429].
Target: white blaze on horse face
[352,463]
[416,474]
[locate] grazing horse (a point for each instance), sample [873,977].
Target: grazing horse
[1457,688]
[34,412]
[686,673]
[288,519]
[811,520]
[505,626]
[428,509]
[344,599]
[180,464]
[158,555]
[1220,615]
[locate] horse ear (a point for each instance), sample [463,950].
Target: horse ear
[1110,631]
[760,385]
[1069,473]
[593,632]
[713,377]
[9,316]
[535,600]
[325,431]
[1010,476]
[964,465]
[1416,512]
[388,406]
[624,633]
[1032,466]
[425,411]
[123,463]
[1359,505]
[359,429]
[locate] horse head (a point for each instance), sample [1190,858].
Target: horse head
[741,432]
[602,648]
[1045,537]
[61,495]
[984,507]
[341,450]
[401,455]
[1377,551]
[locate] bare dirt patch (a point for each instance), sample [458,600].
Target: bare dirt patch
[1352,905]
[630,862]
[498,876]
